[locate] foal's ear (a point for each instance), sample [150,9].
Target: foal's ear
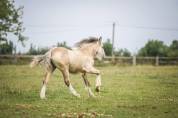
[100,40]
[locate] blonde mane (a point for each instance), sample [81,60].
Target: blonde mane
[86,41]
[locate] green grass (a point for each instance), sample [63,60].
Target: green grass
[127,92]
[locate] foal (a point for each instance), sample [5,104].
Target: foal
[79,59]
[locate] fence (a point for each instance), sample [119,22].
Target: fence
[142,60]
[25,59]
[15,59]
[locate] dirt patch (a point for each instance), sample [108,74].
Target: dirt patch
[81,115]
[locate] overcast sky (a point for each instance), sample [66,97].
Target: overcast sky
[50,21]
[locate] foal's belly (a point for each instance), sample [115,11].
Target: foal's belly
[74,69]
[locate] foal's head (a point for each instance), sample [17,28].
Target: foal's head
[99,54]
[94,45]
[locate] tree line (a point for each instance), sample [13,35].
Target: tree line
[158,48]
[151,48]
[37,51]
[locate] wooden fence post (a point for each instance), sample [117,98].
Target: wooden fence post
[14,59]
[157,61]
[134,62]
[113,60]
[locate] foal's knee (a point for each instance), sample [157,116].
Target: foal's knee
[98,73]
[67,83]
[44,82]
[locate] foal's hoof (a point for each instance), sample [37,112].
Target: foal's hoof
[97,89]
[77,95]
[92,95]
[43,98]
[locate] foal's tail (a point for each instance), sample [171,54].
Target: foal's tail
[37,60]
[44,60]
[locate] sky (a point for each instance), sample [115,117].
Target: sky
[47,22]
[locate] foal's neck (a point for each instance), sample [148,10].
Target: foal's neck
[89,50]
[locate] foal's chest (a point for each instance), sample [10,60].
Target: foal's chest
[75,62]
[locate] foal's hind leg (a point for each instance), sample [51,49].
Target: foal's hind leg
[65,73]
[87,84]
[49,70]
[45,81]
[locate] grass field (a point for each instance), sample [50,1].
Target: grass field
[127,92]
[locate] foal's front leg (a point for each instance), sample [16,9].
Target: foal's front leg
[92,70]
[98,82]
[65,73]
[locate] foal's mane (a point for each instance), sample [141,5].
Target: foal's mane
[86,41]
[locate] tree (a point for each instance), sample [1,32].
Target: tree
[107,47]
[174,45]
[153,48]
[123,52]
[108,50]
[10,20]
[126,53]
[36,51]
[6,47]
[63,44]
[32,50]
[173,49]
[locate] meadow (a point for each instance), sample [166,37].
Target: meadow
[126,92]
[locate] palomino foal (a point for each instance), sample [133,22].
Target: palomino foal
[79,59]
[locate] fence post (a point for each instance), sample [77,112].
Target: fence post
[157,61]
[113,60]
[134,62]
[14,59]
